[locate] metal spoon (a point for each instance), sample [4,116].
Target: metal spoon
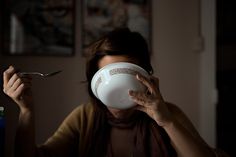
[22,74]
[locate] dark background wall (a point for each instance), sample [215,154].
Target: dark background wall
[226,75]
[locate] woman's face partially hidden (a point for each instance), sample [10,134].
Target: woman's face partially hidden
[113,59]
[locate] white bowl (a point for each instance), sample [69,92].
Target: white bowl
[112,83]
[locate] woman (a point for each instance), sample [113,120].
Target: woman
[152,128]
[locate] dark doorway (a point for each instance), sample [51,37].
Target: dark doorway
[226,75]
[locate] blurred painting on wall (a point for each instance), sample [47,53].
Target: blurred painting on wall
[38,27]
[102,16]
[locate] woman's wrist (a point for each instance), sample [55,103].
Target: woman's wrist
[169,124]
[26,110]
[26,117]
[164,121]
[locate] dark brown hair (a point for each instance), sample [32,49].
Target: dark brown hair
[118,42]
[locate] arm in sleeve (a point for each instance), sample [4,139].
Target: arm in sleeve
[65,141]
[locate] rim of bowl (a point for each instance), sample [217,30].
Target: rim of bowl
[95,76]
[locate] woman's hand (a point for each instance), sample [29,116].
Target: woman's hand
[151,101]
[18,88]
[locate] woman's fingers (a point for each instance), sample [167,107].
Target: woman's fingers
[150,98]
[20,81]
[146,82]
[12,80]
[141,98]
[17,90]
[7,75]
[14,85]
[155,82]
[22,87]
[152,83]
[151,103]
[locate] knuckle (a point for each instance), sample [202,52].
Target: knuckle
[23,85]
[14,96]
[9,94]
[15,75]
[5,73]
[19,80]
[5,90]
